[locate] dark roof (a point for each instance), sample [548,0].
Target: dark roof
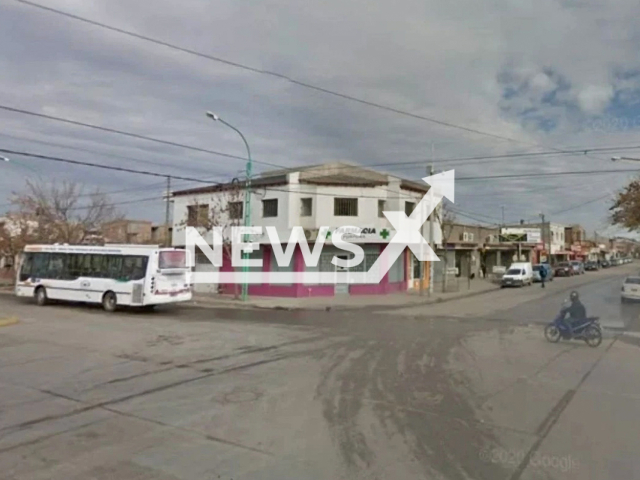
[414,186]
[338,174]
[270,181]
[342,179]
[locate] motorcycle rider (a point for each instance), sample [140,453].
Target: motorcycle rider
[575,310]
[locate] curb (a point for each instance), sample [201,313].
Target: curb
[339,307]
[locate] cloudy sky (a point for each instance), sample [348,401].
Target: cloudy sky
[543,75]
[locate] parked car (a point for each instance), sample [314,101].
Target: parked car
[518,275]
[630,289]
[605,264]
[564,269]
[591,266]
[542,266]
[578,267]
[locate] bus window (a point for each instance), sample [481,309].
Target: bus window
[99,264]
[114,267]
[172,259]
[134,268]
[78,265]
[40,265]
[56,267]
[26,267]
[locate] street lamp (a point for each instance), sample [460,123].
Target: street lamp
[247,196]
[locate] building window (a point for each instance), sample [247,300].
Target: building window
[197,216]
[382,204]
[270,208]
[408,207]
[345,207]
[306,207]
[235,210]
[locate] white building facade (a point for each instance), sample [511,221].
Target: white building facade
[556,239]
[332,195]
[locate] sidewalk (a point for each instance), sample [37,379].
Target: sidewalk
[344,302]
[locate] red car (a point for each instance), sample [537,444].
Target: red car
[564,269]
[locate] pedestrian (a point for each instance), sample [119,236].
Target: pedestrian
[483,267]
[543,274]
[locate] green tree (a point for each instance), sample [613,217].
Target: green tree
[625,211]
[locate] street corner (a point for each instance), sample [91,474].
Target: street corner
[8,321]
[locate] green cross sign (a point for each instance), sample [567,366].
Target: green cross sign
[384,233]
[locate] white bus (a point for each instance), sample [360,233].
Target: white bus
[111,275]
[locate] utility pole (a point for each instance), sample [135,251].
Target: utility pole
[423,264]
[167,213]
[247,199]
[431,232]
[544,241]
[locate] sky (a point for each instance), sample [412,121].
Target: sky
[524,76]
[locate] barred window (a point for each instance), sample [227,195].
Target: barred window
[345,207]
[235,210]
[197,215]
[382,204]
[306,207]
[270,208]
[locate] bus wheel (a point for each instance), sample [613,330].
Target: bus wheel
[109,302]
[41,296]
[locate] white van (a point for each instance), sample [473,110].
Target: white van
[518,275]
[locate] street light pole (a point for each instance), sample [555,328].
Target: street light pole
[247,197]
[167,213]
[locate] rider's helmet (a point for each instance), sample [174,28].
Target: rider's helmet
[574,296]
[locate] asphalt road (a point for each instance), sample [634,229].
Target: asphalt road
[237,394]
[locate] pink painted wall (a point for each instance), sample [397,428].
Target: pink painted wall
[300,290]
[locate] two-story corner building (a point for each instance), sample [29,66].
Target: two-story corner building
[334,195]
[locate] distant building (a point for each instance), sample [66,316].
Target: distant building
[624,247]
[128,231]
[471,250]
[159,234]
[574,234]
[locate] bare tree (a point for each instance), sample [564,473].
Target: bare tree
[53,213]
[225,212]
[447,220]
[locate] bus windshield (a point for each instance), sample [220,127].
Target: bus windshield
[172,259]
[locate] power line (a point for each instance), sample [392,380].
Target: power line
[200,180]
[457,210]
[270,73]
[580,205]
[80,149]
[547,174]
[471,217]
[97,165]
[508,156]
[132,135]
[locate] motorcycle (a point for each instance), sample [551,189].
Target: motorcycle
[588,330]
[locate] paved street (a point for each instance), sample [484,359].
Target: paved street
[468,389]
